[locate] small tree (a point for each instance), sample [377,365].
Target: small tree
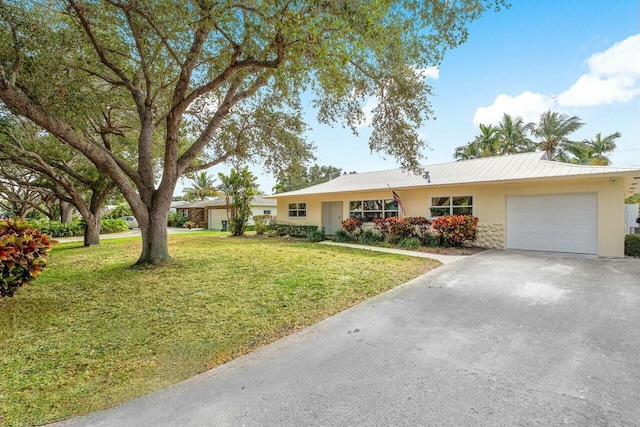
[239,189]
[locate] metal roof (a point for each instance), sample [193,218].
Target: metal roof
[514,167]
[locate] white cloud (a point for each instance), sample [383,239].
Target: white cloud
[432,73]
[370,104]
[623,58]
[614,76]
[527,105]
[592,90]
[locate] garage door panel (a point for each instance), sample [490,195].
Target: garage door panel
[559,223]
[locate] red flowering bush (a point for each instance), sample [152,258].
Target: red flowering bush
[353,226]
[406,227]
[23,254]
[399,227]
[421,226]
[381,226]
[454,230]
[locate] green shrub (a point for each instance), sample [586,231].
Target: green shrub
[176,220]
[392,239]
[431,240]
[454,230]
[58,229]
[282,228]
[315,236]
[410,243]
[261,223]
[369,237]
[23,254]
[341,236]
[109,225]
[632,245]
[121,209]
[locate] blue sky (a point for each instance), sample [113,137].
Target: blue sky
[578,57]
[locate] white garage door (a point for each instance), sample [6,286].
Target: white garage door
[558,222]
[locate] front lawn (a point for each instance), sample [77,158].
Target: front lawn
[92,332]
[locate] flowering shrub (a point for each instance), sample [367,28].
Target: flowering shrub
[381,226]
[454,230]
[23,254]
[353,226]
[400,227]
[417,227]
[421,226]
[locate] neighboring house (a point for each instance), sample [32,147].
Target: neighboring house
[523,201]
[176,204]
[211,213]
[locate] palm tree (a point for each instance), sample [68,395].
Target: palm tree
[600,145]
[487,140]
[201,187]
[581,153]
[466,152]
[553,130]
[511,136]
[278,188]
[483,145]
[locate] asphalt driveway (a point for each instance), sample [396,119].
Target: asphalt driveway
[497,339]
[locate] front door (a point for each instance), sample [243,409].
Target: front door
[331,217]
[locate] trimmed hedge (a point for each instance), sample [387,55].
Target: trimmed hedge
[113,226]
[76,228]
[23,254]
[632,245]
[282,228]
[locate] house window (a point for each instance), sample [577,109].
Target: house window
[297,210]
[184,213]
[266,212]
[451,205]
[368,210]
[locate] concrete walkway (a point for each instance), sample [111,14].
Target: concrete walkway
[445,259]
[502,339]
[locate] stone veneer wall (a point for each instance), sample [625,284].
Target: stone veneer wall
[490,236]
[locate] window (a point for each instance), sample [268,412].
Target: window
[266,212]
[368,210]
[451,205]
[297,210]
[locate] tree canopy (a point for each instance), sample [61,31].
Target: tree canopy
[148,91]
[301,177]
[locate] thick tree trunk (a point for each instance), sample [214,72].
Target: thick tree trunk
[154,238]
[155,248]
[92,230]
[66,212]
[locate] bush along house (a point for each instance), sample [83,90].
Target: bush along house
[523,201]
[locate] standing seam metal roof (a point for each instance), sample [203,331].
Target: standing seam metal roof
[488,169]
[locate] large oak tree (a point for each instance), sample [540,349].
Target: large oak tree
[183,69]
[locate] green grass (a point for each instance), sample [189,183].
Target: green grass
[92,332]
